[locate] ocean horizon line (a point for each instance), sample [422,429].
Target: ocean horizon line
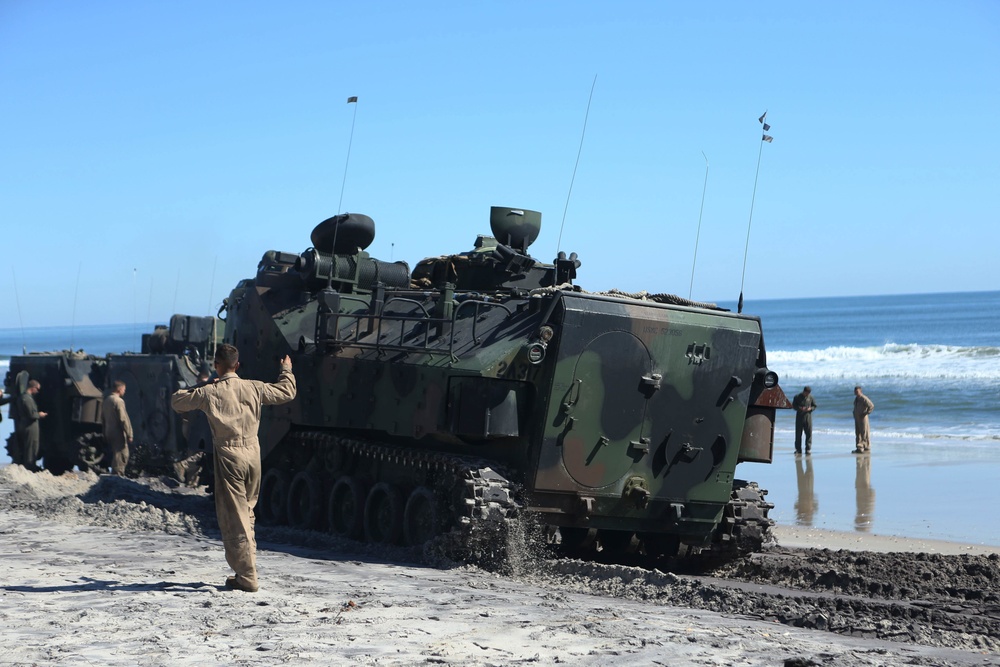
[854,296]
[43,327]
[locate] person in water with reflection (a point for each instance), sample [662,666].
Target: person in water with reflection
[865,495]
[804,404]
[863,407]
[806,504]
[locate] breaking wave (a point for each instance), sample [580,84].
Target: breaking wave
[892,360]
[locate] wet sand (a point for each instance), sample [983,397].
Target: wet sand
[819,538]
[905,489]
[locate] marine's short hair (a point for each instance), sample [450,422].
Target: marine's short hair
[857,388]
[119,384]
[34,384]
[807,389]
[227,355]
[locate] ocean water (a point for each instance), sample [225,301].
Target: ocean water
[98,339]
[930,363]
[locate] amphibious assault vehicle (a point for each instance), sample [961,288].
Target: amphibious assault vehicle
[486,385]
[74,385]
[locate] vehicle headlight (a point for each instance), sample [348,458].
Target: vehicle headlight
[536,353]
[768,378]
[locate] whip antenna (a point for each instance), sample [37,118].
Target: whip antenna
[353,99]
[698,234]
[764,137]
[578,152]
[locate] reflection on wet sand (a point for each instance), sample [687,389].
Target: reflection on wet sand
[806,504]
[865,494]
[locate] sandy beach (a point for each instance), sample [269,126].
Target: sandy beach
[121,572]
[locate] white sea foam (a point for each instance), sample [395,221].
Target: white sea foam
[892,360]
[977,437]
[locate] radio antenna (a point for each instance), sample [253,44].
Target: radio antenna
[698,234]
[353,99]
[577,164]
[764,137]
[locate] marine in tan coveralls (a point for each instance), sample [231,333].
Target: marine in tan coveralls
[233,406]
[862,430]
[117,428]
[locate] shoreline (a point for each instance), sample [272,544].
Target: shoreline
[822,538]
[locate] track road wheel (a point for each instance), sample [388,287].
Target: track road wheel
[273,501]
[345,508]
[91,457]
[305,501]
[384,514]
[422,517]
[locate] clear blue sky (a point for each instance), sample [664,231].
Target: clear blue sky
[152,151]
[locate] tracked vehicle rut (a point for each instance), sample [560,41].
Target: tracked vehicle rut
[485,386]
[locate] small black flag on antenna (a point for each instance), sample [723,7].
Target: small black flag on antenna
[352,98]
[765,136]
[768,138]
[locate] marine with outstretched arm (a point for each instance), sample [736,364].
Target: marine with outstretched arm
[232,406]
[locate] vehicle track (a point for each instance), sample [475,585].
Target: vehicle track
[929,599]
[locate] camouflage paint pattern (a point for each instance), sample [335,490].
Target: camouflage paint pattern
[609,412]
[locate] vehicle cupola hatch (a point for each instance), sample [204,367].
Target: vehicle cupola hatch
[344,234]
[515,227]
